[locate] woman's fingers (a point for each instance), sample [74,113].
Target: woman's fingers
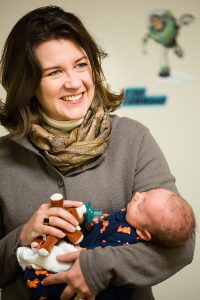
[74,279]
[58,217]
[68,258]
[55,279]
[63,214]
[67,293]
[72,203]
[60,220]
[61,223]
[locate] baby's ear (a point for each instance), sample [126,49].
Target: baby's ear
[144,234]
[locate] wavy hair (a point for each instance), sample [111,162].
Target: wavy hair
[21,71]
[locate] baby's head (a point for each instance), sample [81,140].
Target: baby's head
[161,216]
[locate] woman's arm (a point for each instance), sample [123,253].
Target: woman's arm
[139,265]
[8,261]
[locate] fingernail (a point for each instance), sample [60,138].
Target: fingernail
[62,235]
[76,223]
[73,228]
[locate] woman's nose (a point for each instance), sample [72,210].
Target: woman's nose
[72,81]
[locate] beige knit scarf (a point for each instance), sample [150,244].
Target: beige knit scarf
[68,150]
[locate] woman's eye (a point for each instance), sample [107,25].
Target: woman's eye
[81,66]
[56,72]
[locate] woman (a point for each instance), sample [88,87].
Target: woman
[63,139]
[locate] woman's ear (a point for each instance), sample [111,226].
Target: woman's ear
[144,234]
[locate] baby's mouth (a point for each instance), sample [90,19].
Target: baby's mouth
[72,97]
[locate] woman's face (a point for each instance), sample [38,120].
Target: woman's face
[67,88]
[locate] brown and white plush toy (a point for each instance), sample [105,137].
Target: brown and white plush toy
[43,245]
[27,258]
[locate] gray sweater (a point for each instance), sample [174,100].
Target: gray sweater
[132,162]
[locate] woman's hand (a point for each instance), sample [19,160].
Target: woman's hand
[59,218]
[76,284]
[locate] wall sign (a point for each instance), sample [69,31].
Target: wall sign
[138,96]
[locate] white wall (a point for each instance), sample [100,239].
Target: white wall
[119,26]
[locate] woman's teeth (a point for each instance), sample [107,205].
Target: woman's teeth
[72,98]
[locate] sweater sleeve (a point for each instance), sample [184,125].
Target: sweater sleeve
[142,264]
[8,261]
[139,265]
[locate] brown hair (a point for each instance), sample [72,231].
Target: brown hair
[178,223]
[21,72]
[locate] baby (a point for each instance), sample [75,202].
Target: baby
[157,215]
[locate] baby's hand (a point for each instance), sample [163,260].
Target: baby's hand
[96,220]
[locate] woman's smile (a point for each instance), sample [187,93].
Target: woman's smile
[72,98]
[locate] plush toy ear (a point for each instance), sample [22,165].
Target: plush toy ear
[144,234]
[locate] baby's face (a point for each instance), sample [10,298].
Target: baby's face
[146,207]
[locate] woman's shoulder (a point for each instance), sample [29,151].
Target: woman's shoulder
[5,140]
[126,125]
[6,145]
[9,146]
